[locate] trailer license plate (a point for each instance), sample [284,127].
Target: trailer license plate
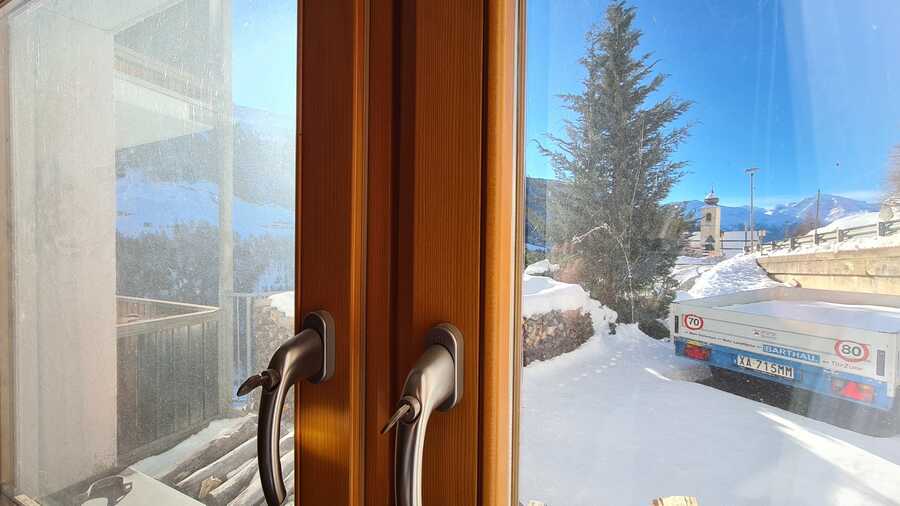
[784,371]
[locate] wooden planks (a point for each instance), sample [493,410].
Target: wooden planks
[331,246]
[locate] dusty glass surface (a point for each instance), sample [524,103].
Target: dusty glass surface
[710,311]
[151,162]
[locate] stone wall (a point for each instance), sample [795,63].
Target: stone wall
[875,270]
[547,335]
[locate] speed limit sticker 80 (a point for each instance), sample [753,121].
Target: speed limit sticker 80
[851,351]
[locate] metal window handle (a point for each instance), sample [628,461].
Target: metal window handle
[308,355]
[435,382]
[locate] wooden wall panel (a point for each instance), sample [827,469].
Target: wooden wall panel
[331,244]
[440,204]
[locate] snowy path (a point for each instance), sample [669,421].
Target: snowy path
[619,422]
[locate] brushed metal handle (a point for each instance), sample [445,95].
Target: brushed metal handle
[435,382]
[308,355]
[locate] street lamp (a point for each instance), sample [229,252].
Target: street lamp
[751,172]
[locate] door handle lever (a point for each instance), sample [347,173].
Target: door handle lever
[435,382]
[308,355]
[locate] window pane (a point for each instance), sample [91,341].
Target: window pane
[151,222]
[710,306]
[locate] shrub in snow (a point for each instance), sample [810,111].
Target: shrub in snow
[655,329]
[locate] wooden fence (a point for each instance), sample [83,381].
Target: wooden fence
[880,229]
[168,383]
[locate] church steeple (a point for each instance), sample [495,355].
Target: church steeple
[711,198]
[711,225]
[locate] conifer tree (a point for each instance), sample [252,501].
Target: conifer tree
[615,164]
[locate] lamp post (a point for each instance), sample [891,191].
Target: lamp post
[751,172]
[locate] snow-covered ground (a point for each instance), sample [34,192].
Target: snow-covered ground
[687,268]
[622,420]
[543,294]
[283,302]
[158,465]
[736,274]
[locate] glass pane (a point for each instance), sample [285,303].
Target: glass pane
[711,312]
[151,237]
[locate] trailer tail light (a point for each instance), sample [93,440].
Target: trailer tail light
[853,390]
[696,352]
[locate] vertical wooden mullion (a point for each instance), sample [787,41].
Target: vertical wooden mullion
[440,221]
[331,245]
[501,261]
[381,261]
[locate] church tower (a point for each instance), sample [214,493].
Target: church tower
[711,225]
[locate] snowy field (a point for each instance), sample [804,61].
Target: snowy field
[622,420]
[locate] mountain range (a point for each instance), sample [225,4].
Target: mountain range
[776,221]
[782,218]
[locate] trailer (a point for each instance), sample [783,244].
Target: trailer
[839,344]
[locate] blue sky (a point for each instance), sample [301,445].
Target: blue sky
[807,90]
[264,54]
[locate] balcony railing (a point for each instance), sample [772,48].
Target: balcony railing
[167,373]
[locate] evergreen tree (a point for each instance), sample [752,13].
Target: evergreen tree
[615,164]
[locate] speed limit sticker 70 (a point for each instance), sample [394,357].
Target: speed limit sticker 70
[693,322]
[851,351]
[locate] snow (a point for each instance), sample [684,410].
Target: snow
[283,302]
[159,465]
[541,267]
[688,268]
[854,220]
[852,244]
[151,206]
[874,318]
[736,274]
[620,421]
[542,295]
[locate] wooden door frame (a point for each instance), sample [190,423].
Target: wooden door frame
[331,247]
[409,221]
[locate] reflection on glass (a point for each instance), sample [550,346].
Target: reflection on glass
[710,314]
[152,243]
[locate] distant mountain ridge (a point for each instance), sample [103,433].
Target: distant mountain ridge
[776,221]
[779,220]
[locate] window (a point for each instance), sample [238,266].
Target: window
[672,352]
[152,238]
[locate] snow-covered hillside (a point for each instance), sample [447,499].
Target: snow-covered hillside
[151,206]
